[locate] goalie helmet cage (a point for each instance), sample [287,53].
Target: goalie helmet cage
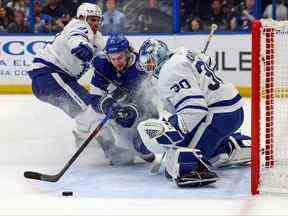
[269,169]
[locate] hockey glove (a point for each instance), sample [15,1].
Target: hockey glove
[208,60]
[124,116]
[83,52]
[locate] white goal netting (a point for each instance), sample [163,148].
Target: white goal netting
[273,107]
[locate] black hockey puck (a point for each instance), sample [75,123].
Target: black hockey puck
[67,193]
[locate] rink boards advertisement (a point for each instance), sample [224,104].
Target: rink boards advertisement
[231,52]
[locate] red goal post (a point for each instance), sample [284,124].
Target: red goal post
[269,168]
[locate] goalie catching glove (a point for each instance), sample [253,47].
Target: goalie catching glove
[122,115]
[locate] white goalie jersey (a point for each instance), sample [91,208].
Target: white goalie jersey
[190,87]
[58,52]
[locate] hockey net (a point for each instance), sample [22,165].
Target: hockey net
[269,172]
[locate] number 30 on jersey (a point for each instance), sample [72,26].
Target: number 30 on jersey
[183,84]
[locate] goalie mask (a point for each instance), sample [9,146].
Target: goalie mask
[152,55]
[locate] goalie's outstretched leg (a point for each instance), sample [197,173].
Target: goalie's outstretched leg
[233,151]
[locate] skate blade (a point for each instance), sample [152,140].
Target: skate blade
[196,183]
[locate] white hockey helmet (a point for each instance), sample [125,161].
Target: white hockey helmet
[89,9]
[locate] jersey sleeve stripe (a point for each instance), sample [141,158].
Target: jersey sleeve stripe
[48,64]
[226,102]
[72,34]
[187,98]
[192,107]
[69,91]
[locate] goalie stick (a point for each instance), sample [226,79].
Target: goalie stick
[213,29]
[56,177]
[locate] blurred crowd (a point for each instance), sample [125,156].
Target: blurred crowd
[229,15]
[139,16]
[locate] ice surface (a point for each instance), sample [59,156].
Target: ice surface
[36,136]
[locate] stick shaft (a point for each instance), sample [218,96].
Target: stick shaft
[56,177]
[213,29]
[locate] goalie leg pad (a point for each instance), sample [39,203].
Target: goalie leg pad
[187,169]
[233,151]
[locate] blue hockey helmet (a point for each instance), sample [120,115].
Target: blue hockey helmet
[152,55]
[116,43]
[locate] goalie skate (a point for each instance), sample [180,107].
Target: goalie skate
[200,177]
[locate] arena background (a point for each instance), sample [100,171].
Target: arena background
[231,46]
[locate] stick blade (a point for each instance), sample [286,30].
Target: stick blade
[42,177]
[32,175]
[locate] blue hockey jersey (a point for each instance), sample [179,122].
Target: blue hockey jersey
[106,80]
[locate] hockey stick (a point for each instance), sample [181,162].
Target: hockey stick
[56,177]
[213,29]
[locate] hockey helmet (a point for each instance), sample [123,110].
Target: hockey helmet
[116,43]
[152,55]
[89,9]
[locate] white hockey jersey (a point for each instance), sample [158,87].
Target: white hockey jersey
[58,52]
[191,88]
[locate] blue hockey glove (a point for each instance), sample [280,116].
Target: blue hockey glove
[109,106]
[123,115]
[126,116]
[83,52]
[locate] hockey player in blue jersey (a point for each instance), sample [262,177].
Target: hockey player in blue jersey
[117,82]
[205,114]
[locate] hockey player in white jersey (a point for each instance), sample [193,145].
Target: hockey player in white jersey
[205,114]
[58,66]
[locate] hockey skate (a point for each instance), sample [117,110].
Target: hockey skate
[201,176]
[235,153]
[187,169]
